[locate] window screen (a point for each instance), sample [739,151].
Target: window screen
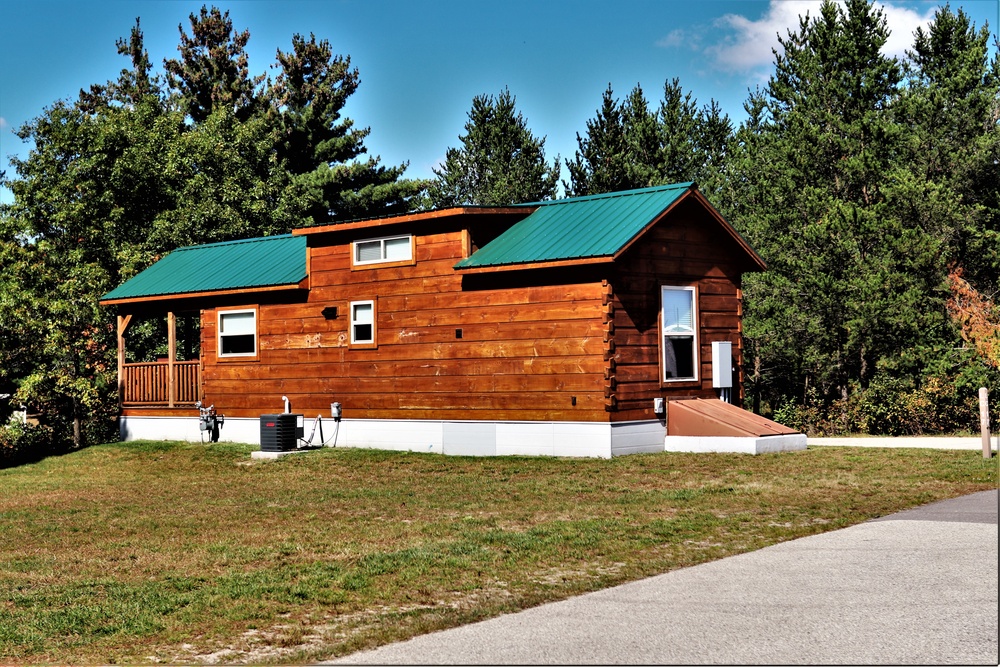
[397,249]
[678,310]
[368,251]
[394,249]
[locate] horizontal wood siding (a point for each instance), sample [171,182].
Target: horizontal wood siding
[686,249]
[525,353]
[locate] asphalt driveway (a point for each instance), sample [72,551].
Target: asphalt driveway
[918,587]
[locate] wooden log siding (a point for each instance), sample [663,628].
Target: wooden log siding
[525,353]
[680,253]
[147,383]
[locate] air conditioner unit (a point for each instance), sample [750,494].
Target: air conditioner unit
[279,432]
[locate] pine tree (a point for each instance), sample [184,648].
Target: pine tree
[678,120]
[642,139]
[212,72]
[500,161]
[850,281]
[127,172]
[321,149]
[629,146]
[952,102]
[601,161]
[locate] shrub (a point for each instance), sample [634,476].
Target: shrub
[21,442]
[944,401]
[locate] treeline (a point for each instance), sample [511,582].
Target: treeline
[869,185]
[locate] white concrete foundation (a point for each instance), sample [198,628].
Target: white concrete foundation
[733,444]
[186,429]
[466,438]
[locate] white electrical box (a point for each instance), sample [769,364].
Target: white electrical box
[722,365]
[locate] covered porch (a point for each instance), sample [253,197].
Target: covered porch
[160,312]
[167,382]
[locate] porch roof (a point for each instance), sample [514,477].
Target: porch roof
[259,263]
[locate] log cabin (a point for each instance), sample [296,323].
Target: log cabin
[588,326]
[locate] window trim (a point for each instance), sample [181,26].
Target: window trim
[237,356]
[368,343]
[695,336]
[382,262]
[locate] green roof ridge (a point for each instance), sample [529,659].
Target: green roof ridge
[586,227]
[612,195]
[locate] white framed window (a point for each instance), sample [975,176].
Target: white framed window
[383,250]
[362,323]
[238,333]
[679,327]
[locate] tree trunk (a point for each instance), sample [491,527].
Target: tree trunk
[77,425]
[756,384]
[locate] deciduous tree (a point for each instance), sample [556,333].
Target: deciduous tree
[129,171]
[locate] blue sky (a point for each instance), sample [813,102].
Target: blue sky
[422,62]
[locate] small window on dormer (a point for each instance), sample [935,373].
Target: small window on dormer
[384,250]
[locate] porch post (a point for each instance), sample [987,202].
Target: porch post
[171,358]
[123,323]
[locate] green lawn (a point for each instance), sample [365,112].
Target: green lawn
[170,552]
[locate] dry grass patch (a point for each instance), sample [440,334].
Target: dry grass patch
[180,553]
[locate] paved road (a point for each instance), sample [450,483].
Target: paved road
[918,587]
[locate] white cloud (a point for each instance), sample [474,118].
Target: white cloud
[903,23]
[3,123]
[676,38]
[748,43]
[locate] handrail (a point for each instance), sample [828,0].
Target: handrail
[147,383]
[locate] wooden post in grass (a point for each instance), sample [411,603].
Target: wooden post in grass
[984,420]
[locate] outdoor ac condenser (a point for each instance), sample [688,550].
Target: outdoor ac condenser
[279,432]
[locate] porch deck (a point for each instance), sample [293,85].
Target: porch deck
[152,383]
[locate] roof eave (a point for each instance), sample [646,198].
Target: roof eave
[549,264]
[179,296]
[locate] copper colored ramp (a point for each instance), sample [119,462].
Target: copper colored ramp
[712,417]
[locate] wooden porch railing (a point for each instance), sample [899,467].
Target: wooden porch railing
[148,383]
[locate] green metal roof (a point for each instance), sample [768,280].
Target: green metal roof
[262,262]
[578,228]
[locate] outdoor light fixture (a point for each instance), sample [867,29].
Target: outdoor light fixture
[330,312]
